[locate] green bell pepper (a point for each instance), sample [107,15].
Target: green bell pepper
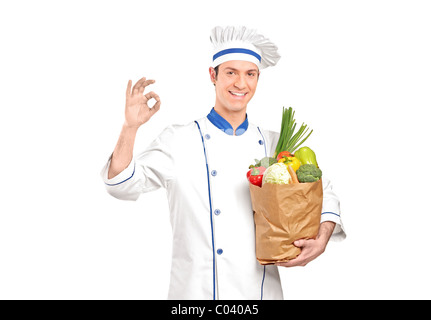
[306,156]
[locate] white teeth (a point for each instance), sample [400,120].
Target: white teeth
[237,94]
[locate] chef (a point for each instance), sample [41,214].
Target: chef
[202,166]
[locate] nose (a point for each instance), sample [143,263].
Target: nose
[240,82]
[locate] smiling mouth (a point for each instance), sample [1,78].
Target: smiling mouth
[237,94]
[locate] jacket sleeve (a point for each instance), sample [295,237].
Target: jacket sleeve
[331,210]
[148,171]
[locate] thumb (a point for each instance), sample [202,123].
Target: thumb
[299,243]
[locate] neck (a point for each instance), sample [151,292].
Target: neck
[235,118]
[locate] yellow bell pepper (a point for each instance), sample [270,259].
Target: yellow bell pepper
[292,161]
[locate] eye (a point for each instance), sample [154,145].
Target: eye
[251,74]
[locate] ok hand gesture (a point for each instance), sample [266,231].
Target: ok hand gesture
[137,110]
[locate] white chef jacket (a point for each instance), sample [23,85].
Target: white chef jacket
[203,166]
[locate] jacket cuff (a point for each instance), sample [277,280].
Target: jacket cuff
[120,178]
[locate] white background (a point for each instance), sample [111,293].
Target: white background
[357,72]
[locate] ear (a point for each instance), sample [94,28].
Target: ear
[212,75]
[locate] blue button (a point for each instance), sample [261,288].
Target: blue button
[260,142]
[217,212]
[214,173]
[219,251]
[207,136]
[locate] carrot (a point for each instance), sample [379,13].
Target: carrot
[292,174]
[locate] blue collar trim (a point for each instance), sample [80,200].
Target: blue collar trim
[225,126]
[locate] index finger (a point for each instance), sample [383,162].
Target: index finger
[153,95]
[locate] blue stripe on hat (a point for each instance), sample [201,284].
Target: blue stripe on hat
[237,50]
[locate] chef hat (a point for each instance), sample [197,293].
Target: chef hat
[240,43]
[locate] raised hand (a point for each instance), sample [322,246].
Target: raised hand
[137,110]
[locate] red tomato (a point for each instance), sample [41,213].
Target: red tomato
[255,175]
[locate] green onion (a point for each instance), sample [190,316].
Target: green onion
[289,139]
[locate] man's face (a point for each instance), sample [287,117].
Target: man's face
[235,84]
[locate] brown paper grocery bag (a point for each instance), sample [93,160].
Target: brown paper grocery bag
[282,214]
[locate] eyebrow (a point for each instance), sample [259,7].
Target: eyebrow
[255,70]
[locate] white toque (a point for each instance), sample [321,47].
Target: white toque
[240,43]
